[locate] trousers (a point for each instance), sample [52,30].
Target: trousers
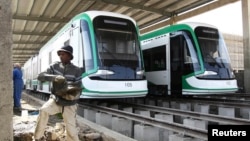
[17,92]
[69,118]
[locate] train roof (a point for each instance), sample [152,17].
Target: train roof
[87,14]
[92,14]
[174,27]
[196,24]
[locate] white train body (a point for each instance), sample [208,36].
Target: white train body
[175,60]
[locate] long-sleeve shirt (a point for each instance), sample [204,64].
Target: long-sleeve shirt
[71,72]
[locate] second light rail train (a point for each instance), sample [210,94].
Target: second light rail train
[187,59]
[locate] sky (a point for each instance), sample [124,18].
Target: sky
[228,19]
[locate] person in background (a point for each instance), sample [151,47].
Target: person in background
[66,89]
[17,86]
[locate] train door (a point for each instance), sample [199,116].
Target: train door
[183,60]
[176,61]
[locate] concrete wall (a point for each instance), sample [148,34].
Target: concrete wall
[235,49]
[6,92]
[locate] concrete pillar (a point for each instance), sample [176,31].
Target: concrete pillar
[146,133]
[104,120]
[80,111]
[159,103]
[90,115]
[194,123]
[178,137]
[114,106]
[244,113]
[143,112]
[164,133]
[227,111]
[246,43]
[184,107]
[140,101]
[201,108]
[165,104]
[174,104]
[122,125]
[128,109]
[6,92]
[151,102]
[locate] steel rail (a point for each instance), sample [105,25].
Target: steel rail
[195,115]
[193,132]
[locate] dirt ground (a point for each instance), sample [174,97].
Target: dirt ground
[24,124]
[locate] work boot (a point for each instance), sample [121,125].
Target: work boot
[18,109]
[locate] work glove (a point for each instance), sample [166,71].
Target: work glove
[59,80]
[73,90]
[59,85]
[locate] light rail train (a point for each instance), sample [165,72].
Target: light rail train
[187,59]
[106,47]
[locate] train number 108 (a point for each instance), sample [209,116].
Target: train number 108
[128,84]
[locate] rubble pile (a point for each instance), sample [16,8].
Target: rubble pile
[55,131]
[24,125]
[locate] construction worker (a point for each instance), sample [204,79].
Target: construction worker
[17,85]
[66,83]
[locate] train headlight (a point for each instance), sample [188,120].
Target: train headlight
[102,72]
[206,73]
[141,72]
[233,75]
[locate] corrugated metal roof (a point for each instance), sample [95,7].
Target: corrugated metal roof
[36,21]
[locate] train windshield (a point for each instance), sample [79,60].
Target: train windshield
[215,56]
[119,56]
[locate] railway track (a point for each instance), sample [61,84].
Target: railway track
[234,96]
[237,102]
[107,107]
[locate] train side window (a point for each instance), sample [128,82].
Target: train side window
[66,43]
[87,52]
[155,58]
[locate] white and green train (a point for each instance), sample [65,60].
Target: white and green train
[106,47]
[187,59]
